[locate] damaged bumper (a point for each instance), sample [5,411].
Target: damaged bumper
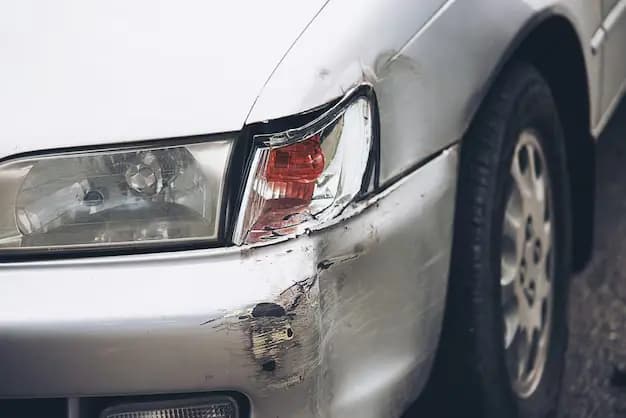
[340,322]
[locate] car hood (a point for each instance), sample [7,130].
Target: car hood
[82,73]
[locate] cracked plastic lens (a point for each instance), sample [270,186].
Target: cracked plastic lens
[309,179]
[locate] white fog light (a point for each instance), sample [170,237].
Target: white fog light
[188,408]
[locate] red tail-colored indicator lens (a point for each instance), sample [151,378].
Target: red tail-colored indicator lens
[303,185]
[302,162]
[292,171]
[286,185]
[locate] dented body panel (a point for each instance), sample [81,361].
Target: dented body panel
[430,72]
[339,322]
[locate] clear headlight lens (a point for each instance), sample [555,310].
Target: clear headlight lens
[113,197]
[302,178]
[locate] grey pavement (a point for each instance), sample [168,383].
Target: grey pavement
[595,378]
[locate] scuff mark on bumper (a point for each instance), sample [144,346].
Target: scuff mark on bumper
[283,338]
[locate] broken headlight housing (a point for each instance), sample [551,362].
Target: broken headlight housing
[177,194]
[301,179]
[126,197]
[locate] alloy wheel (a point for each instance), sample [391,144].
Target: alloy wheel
[527,266]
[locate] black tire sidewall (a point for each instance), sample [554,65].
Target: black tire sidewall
[535,110]
[470,364]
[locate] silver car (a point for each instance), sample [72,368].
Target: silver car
[295,209]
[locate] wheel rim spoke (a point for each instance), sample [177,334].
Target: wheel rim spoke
[523,355]
[545,233]
[511,314]
[526,266]
[520,172]
[512,238]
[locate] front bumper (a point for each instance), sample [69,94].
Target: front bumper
[341,322]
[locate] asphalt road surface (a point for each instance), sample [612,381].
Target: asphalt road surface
[595,379]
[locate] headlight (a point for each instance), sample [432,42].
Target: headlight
[302,178]
[116,197]
[134,198]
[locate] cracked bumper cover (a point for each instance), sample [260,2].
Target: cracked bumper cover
[341,322]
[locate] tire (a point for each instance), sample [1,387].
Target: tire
[471,372]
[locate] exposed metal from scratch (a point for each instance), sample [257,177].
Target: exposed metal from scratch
[329,262]
[303,286]
[209,321]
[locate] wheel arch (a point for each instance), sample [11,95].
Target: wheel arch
[566,73]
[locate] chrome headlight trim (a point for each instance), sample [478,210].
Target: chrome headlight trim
[237,170]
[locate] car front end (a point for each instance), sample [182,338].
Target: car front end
[165,252]
[290,307]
